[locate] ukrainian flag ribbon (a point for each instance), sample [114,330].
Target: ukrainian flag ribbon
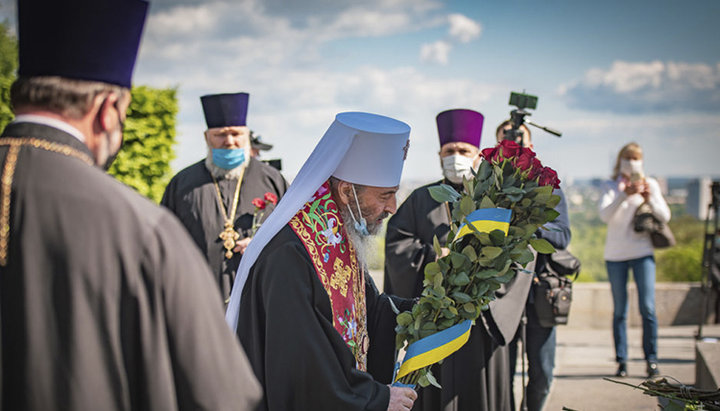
[486,220]
[433,348]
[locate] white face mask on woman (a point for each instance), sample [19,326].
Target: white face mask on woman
[457,166]
[630,167]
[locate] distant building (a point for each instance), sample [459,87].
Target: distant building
[698,197]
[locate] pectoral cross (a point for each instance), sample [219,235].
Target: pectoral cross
[229,237]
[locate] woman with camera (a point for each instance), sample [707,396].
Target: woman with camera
[626,249]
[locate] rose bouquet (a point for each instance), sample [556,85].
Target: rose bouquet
[481,258]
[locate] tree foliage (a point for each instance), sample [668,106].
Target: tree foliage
[8,65]
[144,161]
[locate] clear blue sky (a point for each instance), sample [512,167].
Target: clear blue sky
[606,73]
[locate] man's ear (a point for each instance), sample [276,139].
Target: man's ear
[107,115]
[344,191]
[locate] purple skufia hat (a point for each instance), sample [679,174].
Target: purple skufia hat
[225,110]
[460,125]
[95,40]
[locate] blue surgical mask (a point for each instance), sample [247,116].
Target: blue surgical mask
[228,158]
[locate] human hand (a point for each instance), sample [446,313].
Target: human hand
[401,398]
[634,187]
[443,252]
[241,245]
[645,191]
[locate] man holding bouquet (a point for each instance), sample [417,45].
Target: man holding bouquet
[477,376]
[318,334]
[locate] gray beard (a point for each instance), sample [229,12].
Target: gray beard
[221,173]
[363,244]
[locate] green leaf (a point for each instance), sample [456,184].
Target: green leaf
[486,202]
[461,297]
[542,246]
[431,379]
[470,253]
[467,205]
[506,277]
[491,252]
[432,268]
[438,280]
[436,246]
[404,319]
[461,279]
[458,260]
[443,193]
[554,201]
[489,273]
[551,214]
[497,237]
[469,307]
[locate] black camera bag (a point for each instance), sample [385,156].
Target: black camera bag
[553,289]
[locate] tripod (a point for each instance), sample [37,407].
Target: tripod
[710,248]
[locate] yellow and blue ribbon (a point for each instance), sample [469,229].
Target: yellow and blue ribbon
[433,348]
[486,220]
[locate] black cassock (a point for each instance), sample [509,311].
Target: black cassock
[192,196]
[286,327]
[106,302]
[476,377]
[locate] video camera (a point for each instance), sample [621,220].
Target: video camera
[517,117]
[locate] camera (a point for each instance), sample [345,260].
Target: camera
[523,101]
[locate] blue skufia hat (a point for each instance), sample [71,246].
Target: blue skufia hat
[225,110]
[94,40]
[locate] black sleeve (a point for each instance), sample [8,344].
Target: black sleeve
[302,360]
[405,253]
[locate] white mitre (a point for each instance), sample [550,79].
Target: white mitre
[360,148]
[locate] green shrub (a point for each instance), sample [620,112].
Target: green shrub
[144,161]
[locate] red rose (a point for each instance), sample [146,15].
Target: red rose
[271,198]
[549,177]
[258,203]
[490,154]
[525,160]
[536,169]
[509,148]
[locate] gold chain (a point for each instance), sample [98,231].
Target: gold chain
[229,235]
[8,173]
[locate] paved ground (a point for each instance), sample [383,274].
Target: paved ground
[586,356]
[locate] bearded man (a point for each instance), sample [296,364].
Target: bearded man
[318,334]
[105,302]
[213,198]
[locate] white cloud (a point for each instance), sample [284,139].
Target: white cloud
[636,87]
[463,28]
[436,52]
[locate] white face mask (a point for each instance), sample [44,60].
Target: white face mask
[630,167]
[457,166]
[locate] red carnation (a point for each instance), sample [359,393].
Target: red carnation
[509,148]
[271,198]
[549,177]
[258,203]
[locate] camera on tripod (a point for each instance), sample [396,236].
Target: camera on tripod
[517,117]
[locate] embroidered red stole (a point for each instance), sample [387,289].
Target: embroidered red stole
[320,228]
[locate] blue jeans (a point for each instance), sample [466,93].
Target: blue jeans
[541,344]
[644,273]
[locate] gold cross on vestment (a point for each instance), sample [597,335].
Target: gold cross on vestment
[229,237]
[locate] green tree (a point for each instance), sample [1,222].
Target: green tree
[8,65]
[144,161]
